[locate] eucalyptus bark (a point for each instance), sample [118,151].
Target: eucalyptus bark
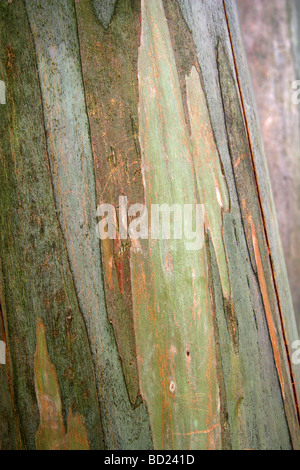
[140,343]
[272,32]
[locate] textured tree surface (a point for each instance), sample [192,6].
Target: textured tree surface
[135,344]
[272,33]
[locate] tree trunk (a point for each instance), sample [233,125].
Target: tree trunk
[137,343]
[272,32]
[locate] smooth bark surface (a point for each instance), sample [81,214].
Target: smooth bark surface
[130,344]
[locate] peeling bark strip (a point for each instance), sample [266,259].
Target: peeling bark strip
[54,28]
[211,182]
[51,434]
[109,62]
[248,406]
[275,27]
[254,228]
[212,186]
[263,184]
[269,30]
[173,319]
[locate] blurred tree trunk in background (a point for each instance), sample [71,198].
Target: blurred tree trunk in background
[135,344]
[272,38]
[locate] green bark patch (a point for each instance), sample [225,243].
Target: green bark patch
[212,186]
[173,319]
[51,434]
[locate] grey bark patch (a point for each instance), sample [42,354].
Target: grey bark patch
[2,93]
[2,353]
[104,10]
